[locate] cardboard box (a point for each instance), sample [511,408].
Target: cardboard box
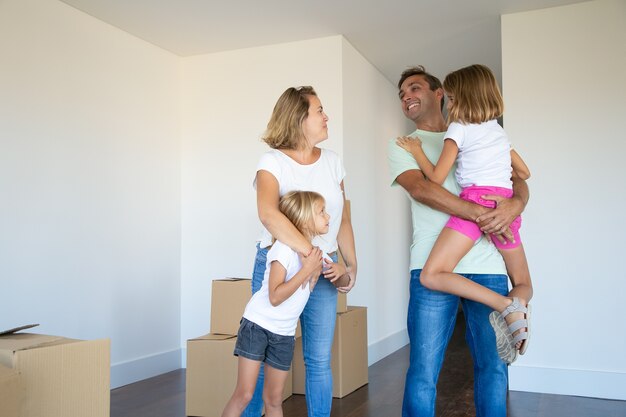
[61,377]
[349,354]
[342,302]
[11,392]
[229,297]
[212,375]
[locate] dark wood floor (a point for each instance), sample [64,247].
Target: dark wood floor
[164,395]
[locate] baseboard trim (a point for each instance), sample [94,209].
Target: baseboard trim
[375,352]
[583,383]
[595,384]
[124,373]
[386,346]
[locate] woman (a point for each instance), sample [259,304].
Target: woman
[297,125]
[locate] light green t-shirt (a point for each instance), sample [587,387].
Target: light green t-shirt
[483,258]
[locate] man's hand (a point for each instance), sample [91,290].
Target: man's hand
[496,221]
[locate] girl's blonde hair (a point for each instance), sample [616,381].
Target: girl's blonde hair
[284,130]
[477,97]
[298,207]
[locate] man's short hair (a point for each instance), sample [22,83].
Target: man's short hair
[433,82]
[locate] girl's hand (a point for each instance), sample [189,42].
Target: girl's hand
[333,270]
[409,144]
[311,266]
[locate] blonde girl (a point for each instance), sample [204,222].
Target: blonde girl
[485,164]
[268,326]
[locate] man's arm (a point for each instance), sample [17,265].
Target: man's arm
[405,172]
[437,197]
[519,166]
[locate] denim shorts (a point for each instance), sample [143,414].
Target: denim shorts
[258,344]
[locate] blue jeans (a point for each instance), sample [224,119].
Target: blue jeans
[318,328]
[430,323]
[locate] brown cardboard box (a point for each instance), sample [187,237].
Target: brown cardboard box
[228,301]
[349,354]
[11,392]
[62,377]
[229,297]
[342,302]
[212,374]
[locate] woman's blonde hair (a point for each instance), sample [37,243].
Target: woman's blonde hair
[284,130]
[477,97]
[298,207]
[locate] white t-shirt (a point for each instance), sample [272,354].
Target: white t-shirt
[283,318]
[484,154]
[324,176]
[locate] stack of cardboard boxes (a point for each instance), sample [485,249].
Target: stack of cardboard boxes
[53,376]
[211,365]
[212,368]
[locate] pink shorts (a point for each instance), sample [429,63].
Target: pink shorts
[471,229]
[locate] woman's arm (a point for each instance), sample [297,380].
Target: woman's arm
[345,239]
[274,221]
[279,289]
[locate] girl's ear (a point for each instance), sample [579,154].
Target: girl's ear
[310,231]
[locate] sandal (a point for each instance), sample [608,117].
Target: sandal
[521,336]
[504,338]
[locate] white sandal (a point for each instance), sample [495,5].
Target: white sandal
[521,336]
[504,338]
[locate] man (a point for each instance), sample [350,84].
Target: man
[432,314]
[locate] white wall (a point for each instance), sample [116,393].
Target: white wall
[380,215]
[89,185]
[227,99]
[564,88]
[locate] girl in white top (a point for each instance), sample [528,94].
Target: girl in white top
[269,322]
[275,306]
[485,163]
